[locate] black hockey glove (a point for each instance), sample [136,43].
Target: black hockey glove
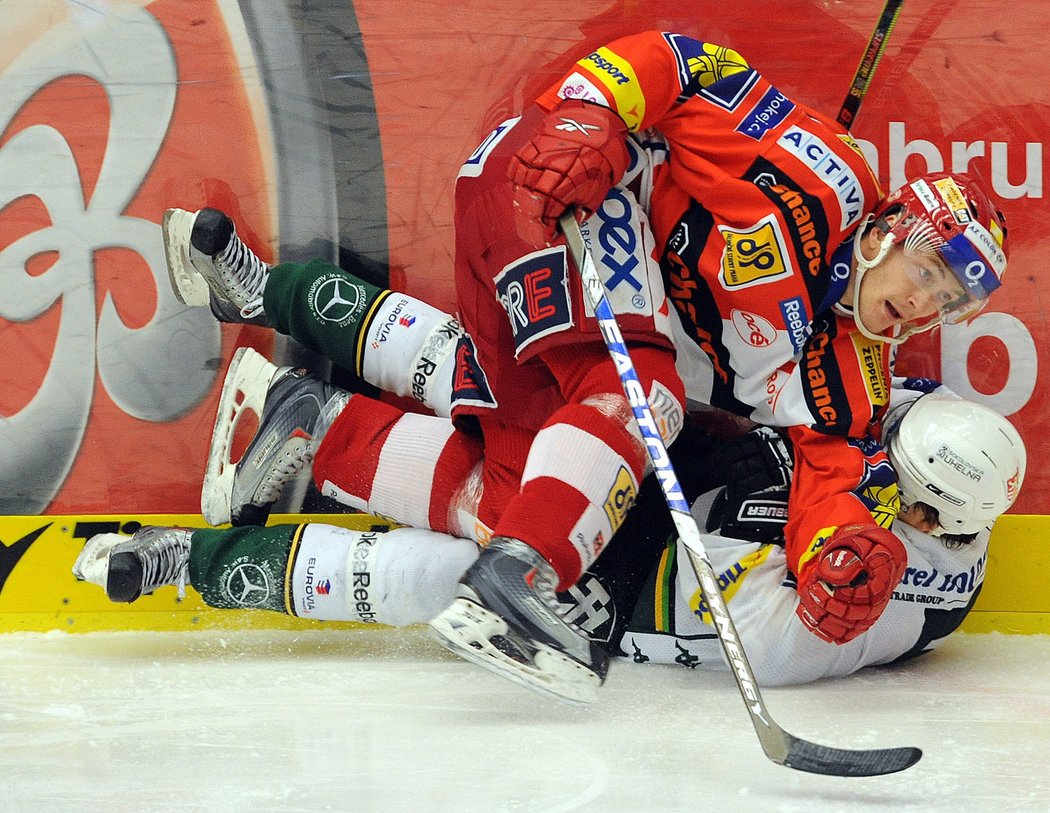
[757,517]
[753,505]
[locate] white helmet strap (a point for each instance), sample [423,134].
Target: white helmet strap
[863,265]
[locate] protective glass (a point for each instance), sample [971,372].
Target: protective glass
[953,273]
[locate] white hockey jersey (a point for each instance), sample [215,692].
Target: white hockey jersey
[939,587]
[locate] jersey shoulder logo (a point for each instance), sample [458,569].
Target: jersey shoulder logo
[535,294]
[718,74]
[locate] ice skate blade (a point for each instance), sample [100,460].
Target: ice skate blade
[466,629]
[189,286]
[244,389]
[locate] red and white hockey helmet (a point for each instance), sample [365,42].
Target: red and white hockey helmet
[963,459]
[949,218]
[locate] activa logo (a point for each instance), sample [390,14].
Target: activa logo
[959,154]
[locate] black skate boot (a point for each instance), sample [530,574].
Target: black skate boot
[505,618]
[208,264]
[294,409]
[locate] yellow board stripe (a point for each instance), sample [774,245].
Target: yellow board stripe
[38,592]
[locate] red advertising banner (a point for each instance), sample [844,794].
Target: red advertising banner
[335,128]
[111,113]
[961,87]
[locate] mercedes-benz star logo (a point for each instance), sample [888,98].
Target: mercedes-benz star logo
[335,299]
[248,585]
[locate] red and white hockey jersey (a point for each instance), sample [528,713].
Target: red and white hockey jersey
[750,214]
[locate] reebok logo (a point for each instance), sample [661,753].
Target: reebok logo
[573,126]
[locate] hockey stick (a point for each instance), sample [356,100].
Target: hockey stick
[858,89]
[780,746]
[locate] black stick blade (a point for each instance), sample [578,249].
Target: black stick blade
[812,758]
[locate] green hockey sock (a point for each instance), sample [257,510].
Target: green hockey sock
[324,308]
[243,568]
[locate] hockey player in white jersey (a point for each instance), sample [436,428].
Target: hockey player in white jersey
[960,465]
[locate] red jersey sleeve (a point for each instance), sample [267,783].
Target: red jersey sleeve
[643,76]
[837,481]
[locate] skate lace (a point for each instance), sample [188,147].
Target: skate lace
[564,610]
[165,561]
[285,467]
[245,275]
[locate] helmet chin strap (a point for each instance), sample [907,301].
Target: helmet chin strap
[863,265]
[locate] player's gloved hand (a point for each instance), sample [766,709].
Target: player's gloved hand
[757,517]
[756,460]
[753,505]
[844,589]
[576,155]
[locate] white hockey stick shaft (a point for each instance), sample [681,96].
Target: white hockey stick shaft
[780,746]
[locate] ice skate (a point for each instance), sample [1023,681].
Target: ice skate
[131,566]
[294,409]
[505,618]
[208,264]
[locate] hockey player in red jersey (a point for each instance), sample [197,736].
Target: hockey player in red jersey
[758,222]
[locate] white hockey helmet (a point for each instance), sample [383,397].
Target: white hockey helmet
[961,458]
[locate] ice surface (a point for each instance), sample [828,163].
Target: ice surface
[383,720]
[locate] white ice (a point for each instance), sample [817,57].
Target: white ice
[382,720]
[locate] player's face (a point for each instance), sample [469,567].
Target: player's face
[906,289]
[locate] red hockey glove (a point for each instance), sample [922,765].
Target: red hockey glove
[576,155]
[844,590]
